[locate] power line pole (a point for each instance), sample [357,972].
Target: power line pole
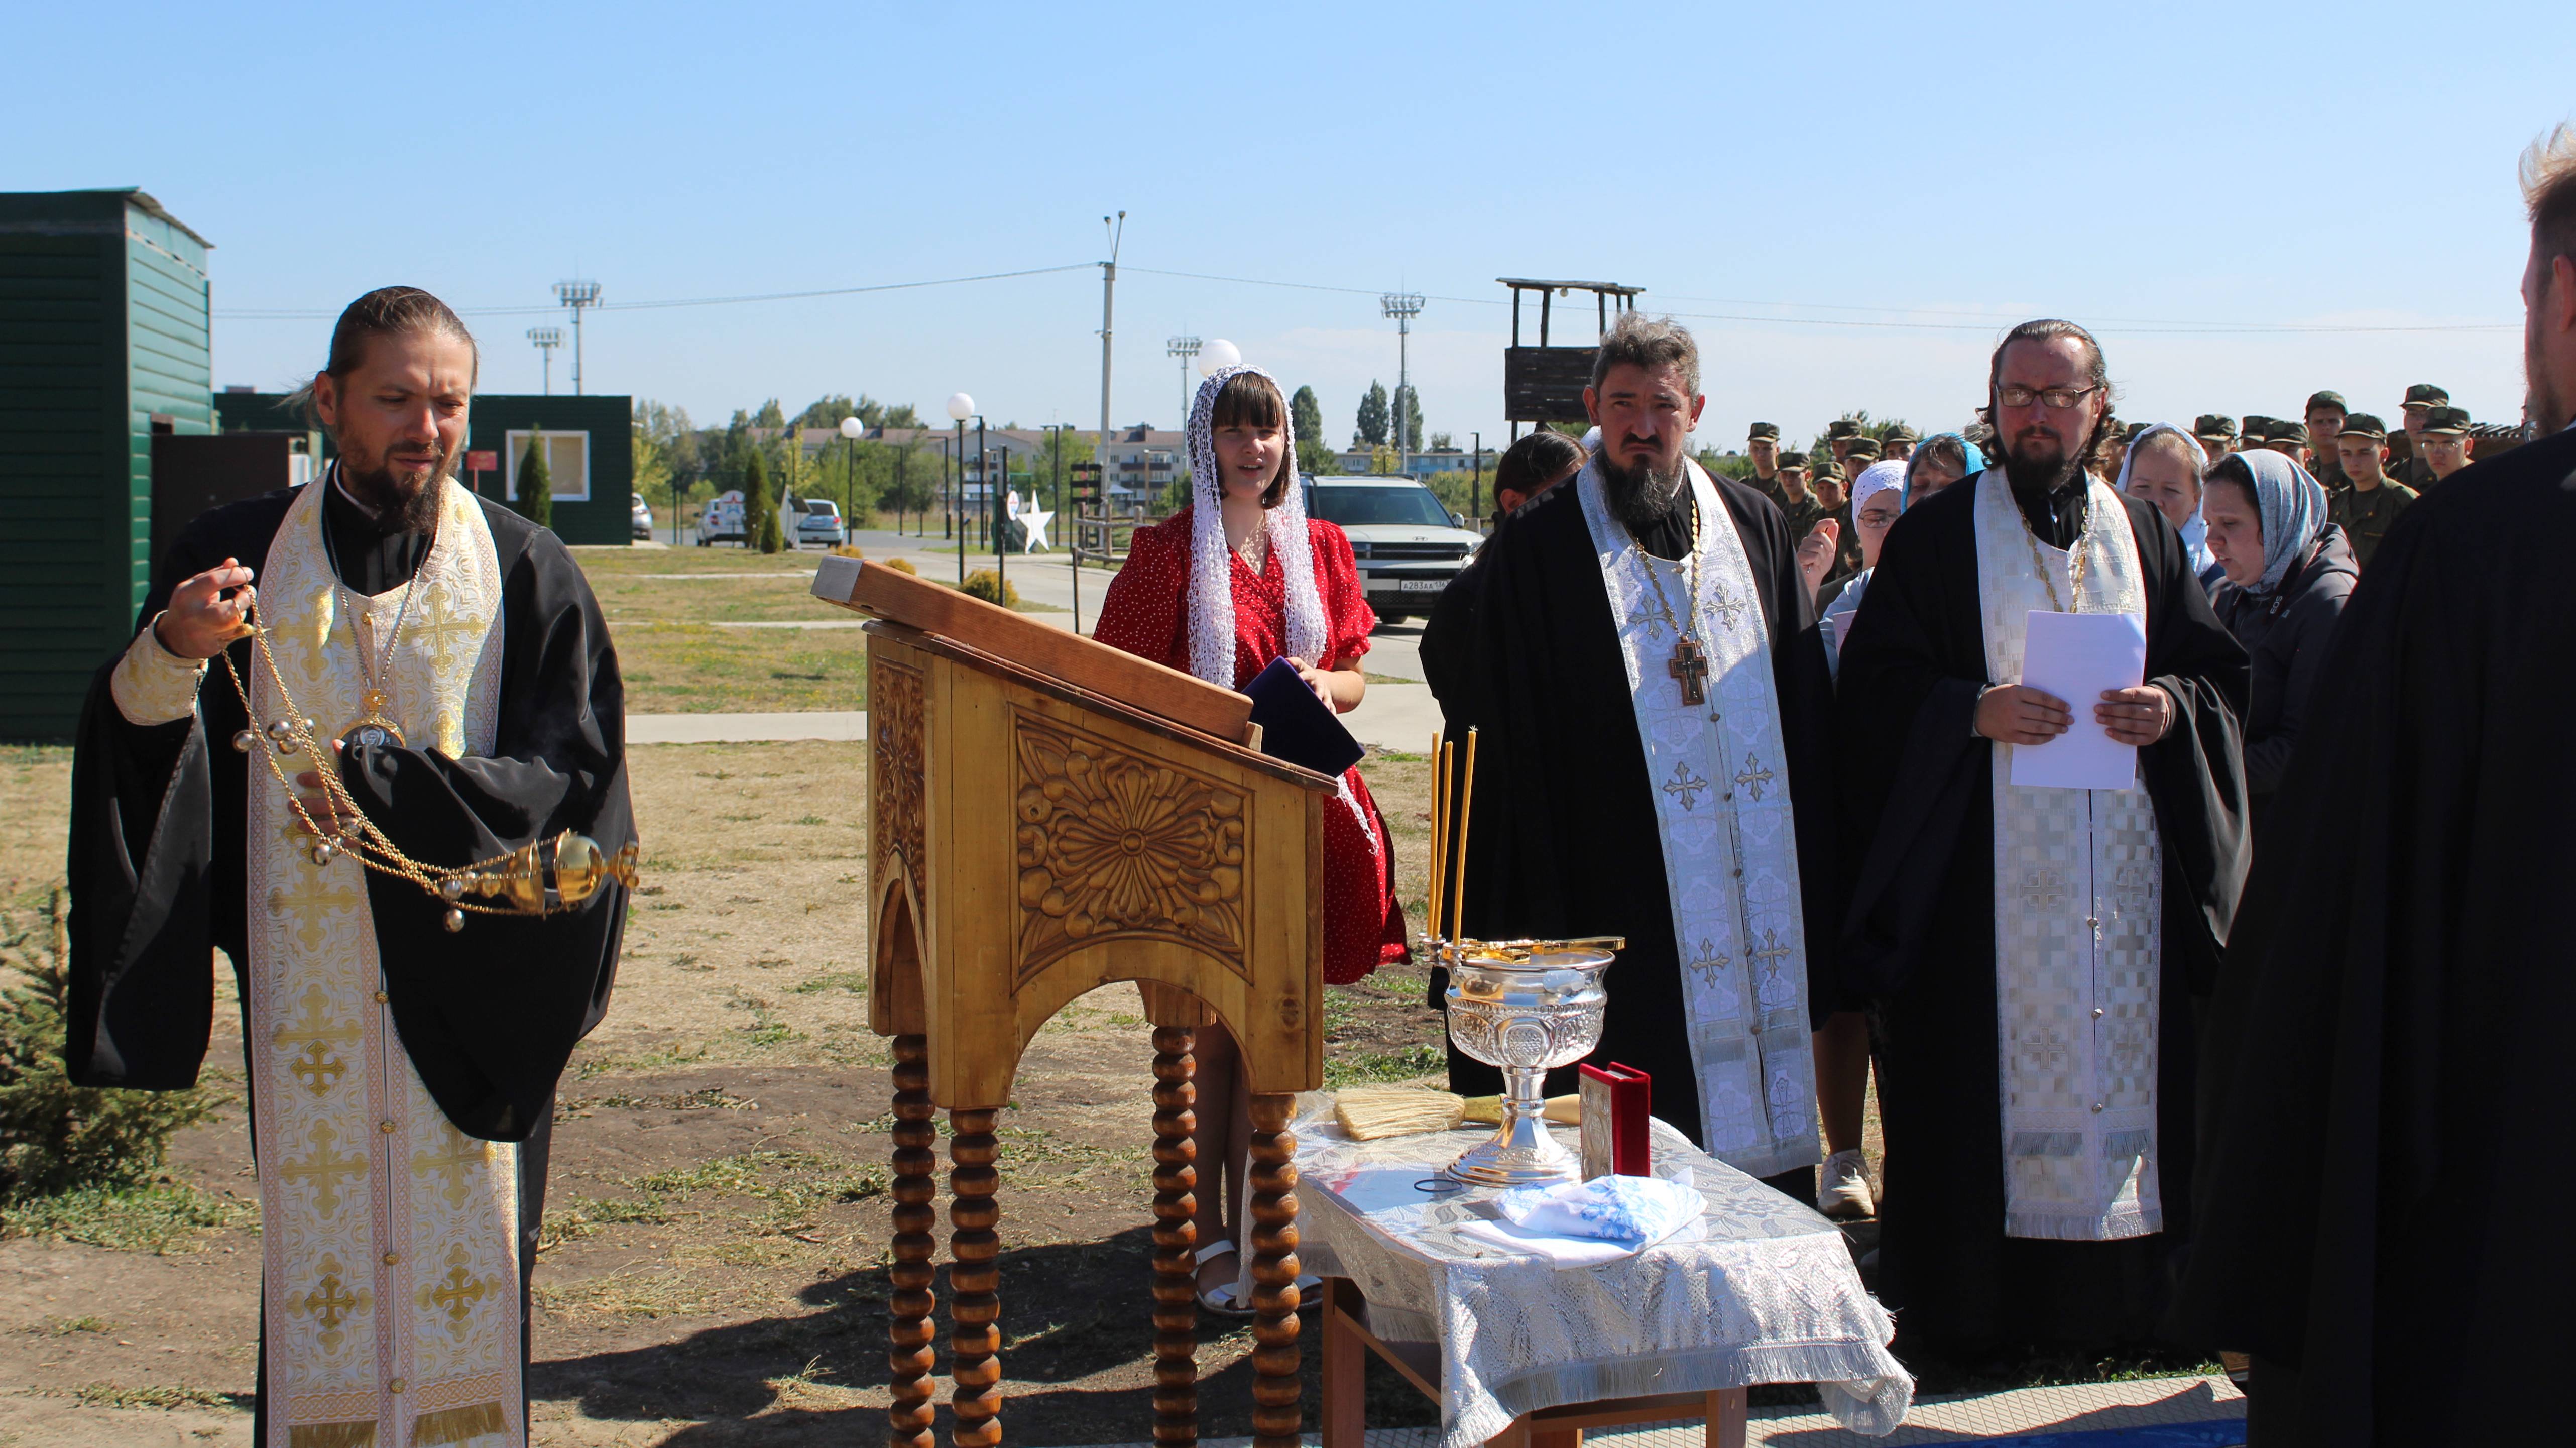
[580,296]
[1108,294]
[1184,348]
[1404,307]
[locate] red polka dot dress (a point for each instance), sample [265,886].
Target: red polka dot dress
[1148,614]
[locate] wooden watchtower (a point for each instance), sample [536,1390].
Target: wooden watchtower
[1049,815]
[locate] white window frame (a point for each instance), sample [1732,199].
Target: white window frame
[514,448]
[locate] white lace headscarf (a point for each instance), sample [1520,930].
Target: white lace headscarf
[1212,563]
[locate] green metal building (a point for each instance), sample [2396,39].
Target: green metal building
[589,441]
[103,343]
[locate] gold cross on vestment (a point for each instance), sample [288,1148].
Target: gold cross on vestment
[1753,776]
[306,905]
[1728,607]
[457,1293]
[316,1065]
[441,626]
[1710,960]
[331,1302]
[325,1168]
[1691,667]
[1771,954]
[458,1154]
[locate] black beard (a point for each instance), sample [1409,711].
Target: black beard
[2030,475]
[381,493]
[1640,496]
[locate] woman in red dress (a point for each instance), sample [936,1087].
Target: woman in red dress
[1220,589]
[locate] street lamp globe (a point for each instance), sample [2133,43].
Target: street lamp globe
[1218,355]
[853,429]
[960,406]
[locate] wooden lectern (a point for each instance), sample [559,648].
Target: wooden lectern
[1048,815]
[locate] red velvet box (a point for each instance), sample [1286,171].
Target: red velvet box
[1616,1103]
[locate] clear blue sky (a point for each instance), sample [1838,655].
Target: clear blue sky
[1847,202]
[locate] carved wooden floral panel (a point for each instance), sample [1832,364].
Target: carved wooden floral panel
[894,729]
[1113,844]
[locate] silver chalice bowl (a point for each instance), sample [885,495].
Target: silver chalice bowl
[1526,1006]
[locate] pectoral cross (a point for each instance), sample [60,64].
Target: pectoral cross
[1691,667]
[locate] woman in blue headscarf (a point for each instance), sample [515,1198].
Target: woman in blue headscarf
[1940,460]
[2288,574]
[2163,466]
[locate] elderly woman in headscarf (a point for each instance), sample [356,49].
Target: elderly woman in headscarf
[1237,579]
[1940,460]
[2288,573]
[2163,466]
[1877,497]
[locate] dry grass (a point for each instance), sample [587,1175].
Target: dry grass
[673,668]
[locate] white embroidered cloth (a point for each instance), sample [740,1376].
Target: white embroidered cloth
[1729,843]
[2079,884]
[1758,1290]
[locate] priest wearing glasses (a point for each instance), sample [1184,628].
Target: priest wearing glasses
[1652,705]
[2034,955]
[443,659]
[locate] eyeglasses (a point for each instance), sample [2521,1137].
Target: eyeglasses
[2059,398]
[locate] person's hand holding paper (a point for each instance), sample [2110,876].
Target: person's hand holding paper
[2090,656]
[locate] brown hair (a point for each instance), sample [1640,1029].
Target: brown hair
[384,312]
[1535,461]
[2549,189]
[1249,399]
[2238,474]
[1648,342]
[2096,449]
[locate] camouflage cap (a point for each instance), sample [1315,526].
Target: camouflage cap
[1842,427]
[1899,432]
[1793,460]
[2284,430]
[1764,431]
[2362,424]
[1862,447]
[2327,399]
[2211,425]
[2447,422]
[2425,394]
[1828,468]
[2256,425]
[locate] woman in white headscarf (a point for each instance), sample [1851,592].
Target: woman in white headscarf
[1237,579]
[1877,497]
[2288,574]
[2163,465]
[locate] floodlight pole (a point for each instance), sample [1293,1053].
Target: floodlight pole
[547,339]
[1404,307]
[579,296]
[1184,348]
[1117,230]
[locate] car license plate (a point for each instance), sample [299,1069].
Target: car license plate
[1421,585]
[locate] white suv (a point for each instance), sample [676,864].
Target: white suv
[1408,546]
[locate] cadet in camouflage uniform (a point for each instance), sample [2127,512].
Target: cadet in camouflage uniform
[2216,434]
[2366,509]
[1897,444]
[1797,504]
[2290,439]
[1762,445]
[2443,444]
[2325,413]
[2421,399]
[1847,561]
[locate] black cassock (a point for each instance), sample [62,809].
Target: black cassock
[1563,836]
[2389,1043]
[1918,829]
[487,1017]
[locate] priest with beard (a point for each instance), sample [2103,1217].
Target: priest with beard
[402,1044]
[1651,701]
[2033,956]
[2389,1065]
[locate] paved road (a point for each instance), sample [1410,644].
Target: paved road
[1394,715]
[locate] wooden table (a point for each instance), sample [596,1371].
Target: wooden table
[1347,1340]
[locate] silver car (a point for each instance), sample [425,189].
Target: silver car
[1407,545]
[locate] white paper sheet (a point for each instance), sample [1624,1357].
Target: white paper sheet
[2075,656]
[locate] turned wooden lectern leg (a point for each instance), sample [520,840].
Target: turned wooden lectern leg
[974,1282]
[910,1355]
[1176,1235]
[1276,1417]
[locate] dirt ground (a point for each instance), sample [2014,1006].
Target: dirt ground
[716,1223]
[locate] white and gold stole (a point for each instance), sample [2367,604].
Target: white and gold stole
[2078,934]
[1730,845]
[390,1280]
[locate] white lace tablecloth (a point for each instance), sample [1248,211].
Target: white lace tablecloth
[1760,1290]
